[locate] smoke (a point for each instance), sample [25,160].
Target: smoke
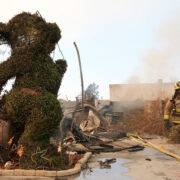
[163,61]
[133,80]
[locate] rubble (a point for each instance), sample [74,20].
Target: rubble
[89,133]
[106,163]
[8,165]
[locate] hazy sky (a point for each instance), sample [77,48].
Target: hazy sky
[120,41]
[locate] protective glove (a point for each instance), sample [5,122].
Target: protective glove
[167,124]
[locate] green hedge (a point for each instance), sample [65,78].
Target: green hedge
[32,105]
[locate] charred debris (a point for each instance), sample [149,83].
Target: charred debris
[84,127]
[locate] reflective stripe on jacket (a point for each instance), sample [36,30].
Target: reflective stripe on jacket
[172,109]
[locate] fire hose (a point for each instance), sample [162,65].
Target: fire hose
[144,142]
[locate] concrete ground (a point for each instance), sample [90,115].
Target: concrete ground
[150,163]
[161,166]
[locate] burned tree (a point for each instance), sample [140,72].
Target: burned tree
[92,91]
[32,106]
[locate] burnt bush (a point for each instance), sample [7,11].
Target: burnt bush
[148,119]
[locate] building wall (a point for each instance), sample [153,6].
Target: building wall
[148,91]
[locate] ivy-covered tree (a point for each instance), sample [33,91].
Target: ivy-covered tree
[32,106]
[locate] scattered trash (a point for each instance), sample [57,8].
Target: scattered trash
[10,141]
[73,158]
[8,165]
[106,163]
[20,151]
[136,148]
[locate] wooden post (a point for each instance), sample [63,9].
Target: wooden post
[81,75]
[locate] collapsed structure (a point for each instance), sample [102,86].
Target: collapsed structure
[132,107]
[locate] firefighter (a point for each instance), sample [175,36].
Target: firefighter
[172,108]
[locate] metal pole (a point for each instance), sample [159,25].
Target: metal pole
[81,75]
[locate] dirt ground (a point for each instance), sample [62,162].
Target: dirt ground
[150,163]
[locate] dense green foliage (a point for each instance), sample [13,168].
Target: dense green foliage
[31,105]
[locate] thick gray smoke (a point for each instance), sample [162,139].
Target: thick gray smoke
[162,61]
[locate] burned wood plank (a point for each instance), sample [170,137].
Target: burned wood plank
[100,149]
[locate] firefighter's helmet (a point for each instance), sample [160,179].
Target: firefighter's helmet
[177,85]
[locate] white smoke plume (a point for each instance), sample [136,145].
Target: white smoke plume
[162,61]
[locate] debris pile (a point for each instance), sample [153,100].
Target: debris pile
[87,130]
